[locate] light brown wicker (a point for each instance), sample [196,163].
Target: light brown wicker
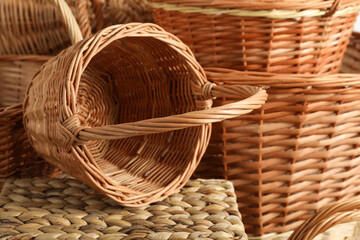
[111,12]
[39,27]
[67,209]
[351,61]
[339,213]
[17,157]
[294,156]
[21,57]
[262,35]
[106,111]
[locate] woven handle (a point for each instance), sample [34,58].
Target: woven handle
[69,20]
[332,10]
[255,98]
[339,213]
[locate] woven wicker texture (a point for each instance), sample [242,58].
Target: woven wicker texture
[297,154]
[126,11]
[298,37]
[68,209]
[17,157]
[36,27]
[351,61]
[106,109]
[341,212]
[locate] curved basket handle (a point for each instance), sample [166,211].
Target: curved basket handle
[327,218]
[332,10]
[69,20]
[255,98]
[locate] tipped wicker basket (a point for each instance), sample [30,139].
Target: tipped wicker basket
[296,155]
[17,157]
[127,111]
[342,212]
[285,36]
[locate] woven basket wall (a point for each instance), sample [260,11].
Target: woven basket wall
[297,37]
[351,61]
[106,111]
[17,157]
[296,155]
[31,29]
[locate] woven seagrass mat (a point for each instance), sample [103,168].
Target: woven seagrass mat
[64,208]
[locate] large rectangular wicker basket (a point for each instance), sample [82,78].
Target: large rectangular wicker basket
[296,155]
[285,36]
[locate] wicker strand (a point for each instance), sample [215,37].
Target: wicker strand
[342,212]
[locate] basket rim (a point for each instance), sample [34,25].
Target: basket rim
[276,12]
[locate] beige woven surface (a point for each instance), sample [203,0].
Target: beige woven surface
[249,36]
[68,209]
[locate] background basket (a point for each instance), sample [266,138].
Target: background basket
[298,154]
[297,37]
[342,212]
[106,111]
[17,157]
[351,61]
[28,38]
[29,33]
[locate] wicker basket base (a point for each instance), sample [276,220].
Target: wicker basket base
[345,231]
[67,209]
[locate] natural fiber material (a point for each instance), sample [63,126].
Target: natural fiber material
[16,71]
[351,61]
[296,155]
[40,27]
[126,11]
[296,37]
[27,46]
[341,212]
[68,209]
[107,109]
[17,157]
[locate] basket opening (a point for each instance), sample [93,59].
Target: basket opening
[133,79]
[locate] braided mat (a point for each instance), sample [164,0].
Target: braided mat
[67,209]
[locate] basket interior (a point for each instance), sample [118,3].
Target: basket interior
[133,79]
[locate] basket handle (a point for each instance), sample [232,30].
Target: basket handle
[342,212]
[332,10]
[69,20]
[255,98]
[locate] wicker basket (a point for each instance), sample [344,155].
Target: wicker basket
[298,37]
[17,157]
[296,155]
[342,212]
[351,61]
[111,12]
[24,50]
[106,112]
[45,35]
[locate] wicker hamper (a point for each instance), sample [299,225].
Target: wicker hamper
[298,154]
[285,36]
[107,111]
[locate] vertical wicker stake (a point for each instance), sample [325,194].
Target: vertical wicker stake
[127,111]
